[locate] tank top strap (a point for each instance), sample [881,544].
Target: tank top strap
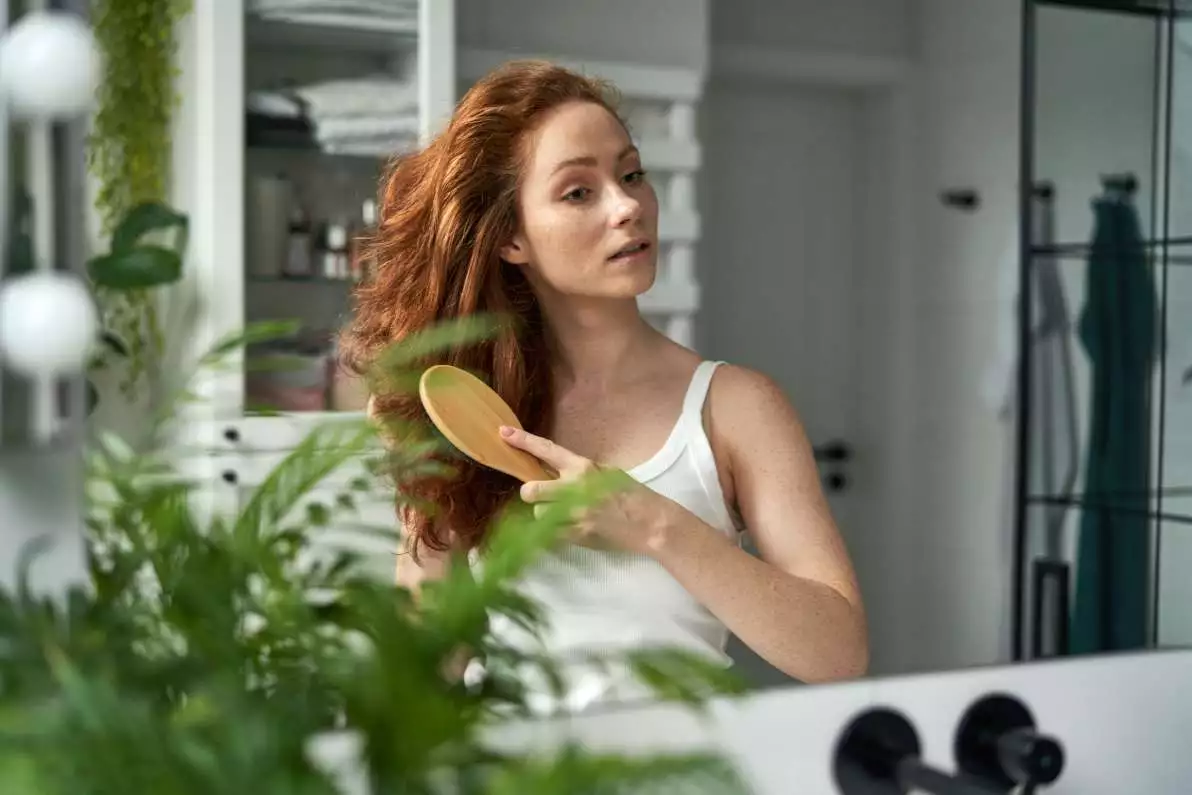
[697,391]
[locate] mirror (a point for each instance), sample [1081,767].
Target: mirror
[848,199]
[840,204]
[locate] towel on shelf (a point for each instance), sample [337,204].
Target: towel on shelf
[273,104]
[352,16]
[375,136]
[386,8]
[366,96]
[357,24]
[357,128]
[371,147]
[375,115]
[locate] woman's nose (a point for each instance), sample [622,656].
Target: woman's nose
[626,209]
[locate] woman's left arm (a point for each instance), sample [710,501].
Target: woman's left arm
[798,606]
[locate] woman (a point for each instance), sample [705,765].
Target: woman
[534,202]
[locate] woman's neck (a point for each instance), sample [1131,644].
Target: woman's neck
[595,342]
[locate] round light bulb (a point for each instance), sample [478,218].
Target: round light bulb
[49,65]
[48,324]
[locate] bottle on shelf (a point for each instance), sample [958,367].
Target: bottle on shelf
[299,251]
[335,252]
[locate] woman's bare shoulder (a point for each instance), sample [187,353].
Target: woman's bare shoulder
[737,388]
[747,408]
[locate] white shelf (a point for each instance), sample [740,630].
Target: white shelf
[380,35]
[634,81]
[660,154]
[670,155]
[678,226]
[284,431]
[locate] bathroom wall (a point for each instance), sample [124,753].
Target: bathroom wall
[933,460]
[659,32]
[855,27]
[921,517]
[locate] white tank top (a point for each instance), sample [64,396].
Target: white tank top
[609,602]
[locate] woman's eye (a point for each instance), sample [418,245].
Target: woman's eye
[576,195]
[635,177]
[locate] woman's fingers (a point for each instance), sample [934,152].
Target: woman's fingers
[544,490]
[558,458]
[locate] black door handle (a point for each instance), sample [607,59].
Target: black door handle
[832,452]
[835,482]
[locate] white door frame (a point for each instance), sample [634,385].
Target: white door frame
[887,88]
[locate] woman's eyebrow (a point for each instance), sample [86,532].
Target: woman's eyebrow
[590,160]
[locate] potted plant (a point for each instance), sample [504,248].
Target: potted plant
[211,655]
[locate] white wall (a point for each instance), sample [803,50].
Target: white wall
[658,32]
[958,526]
[41,499]
[857,27]
[934,598]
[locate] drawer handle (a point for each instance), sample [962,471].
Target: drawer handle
[229,476]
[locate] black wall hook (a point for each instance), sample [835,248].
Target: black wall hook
[1044,189]
[966,199]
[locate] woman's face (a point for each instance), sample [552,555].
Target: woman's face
[589,217]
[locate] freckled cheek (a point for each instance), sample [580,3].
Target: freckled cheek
[566,237]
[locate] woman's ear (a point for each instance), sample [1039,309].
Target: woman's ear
[516,252]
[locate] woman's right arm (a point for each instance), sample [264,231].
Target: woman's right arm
[431,565]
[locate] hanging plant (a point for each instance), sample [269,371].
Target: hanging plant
[129,154]
[139,258]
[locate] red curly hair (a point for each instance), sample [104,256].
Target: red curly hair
[444,214]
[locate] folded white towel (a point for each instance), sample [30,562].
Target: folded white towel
[365,96]
[352,24]
[335,129]
[371,147]
[398,8]
[271,103]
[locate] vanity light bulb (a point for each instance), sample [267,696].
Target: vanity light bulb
[49,66]
[48,324]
